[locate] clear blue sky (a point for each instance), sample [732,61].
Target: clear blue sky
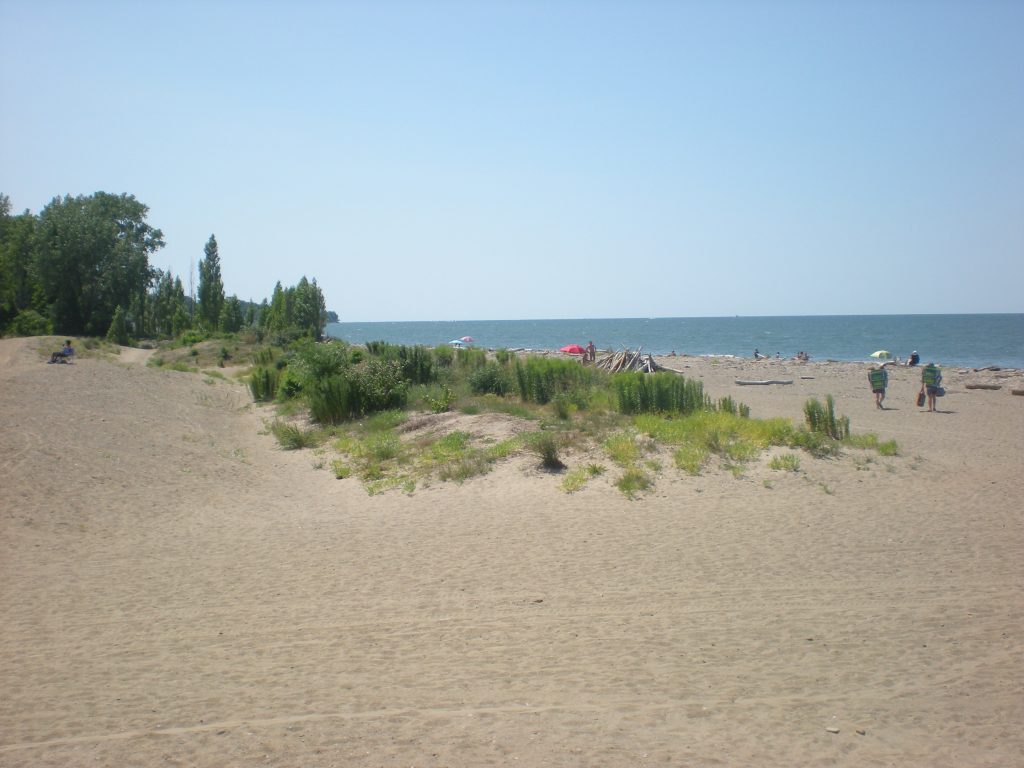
[505,160]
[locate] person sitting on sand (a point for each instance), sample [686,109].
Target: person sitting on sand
[878,377]
[914,358]
[65,354]
[931,380]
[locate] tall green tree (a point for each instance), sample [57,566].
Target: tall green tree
[309,309]
[232,315]
[19,290]
[211,286]
[168,300]
[93,257]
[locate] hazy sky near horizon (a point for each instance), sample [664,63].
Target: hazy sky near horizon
[502,160]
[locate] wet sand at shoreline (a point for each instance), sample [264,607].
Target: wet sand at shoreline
[177,590]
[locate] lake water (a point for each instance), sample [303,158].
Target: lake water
[959,340]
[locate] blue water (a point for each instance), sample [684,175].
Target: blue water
[961,340]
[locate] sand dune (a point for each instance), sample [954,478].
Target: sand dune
[176,590]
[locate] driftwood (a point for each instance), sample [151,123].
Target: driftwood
[763,382]
[984,386]
[1017,391]
[617,362]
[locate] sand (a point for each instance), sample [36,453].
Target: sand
[176,590]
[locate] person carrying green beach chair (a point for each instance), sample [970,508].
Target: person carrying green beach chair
[878,377]
[931,381]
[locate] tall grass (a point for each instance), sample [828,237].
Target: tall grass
[539,379]
[822,419]
[263,383]
[658,393]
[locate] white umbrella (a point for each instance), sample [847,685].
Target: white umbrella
[882,354]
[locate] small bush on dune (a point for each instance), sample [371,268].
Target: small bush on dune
[545,445]
[263,384]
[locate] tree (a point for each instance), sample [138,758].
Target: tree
[19,290]
[168,300]
[93,257]
[232,316]
[309,309]
[211,287]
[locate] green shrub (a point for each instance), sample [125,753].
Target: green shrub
[378,386]
[191,337]
[503,356]
[118,331]
[313,362]
[545,445]
[28,322]
[440,402]
[263,384]
[492,379]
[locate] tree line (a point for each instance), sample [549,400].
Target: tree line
[82,267]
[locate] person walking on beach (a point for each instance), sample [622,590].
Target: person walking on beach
[931,379]
[878,377]
[591,351]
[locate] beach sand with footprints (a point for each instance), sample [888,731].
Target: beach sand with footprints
[177,590]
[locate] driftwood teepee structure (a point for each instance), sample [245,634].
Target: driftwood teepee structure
[617,362]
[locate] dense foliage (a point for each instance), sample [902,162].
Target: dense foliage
[83,267]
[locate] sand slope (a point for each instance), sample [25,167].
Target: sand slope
[175,590]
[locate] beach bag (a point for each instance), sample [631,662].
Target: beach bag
[920,398]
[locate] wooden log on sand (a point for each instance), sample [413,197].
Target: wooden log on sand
[984,386]
[762,382]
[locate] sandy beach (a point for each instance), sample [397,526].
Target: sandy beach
[177,590]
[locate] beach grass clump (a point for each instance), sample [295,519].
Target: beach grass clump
[490,379]
[546,445]
[539,379]
[660,392]
[263,383]
[577,478]
[292,437]
[622,448]
[633,481]
[822,419]
[870,441]
[563,406]
[444,357]
[470,358]
[341,469]
[691,458]
[787,462]
[888,448]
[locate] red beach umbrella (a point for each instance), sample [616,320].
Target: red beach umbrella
[467,339]
[573,349]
